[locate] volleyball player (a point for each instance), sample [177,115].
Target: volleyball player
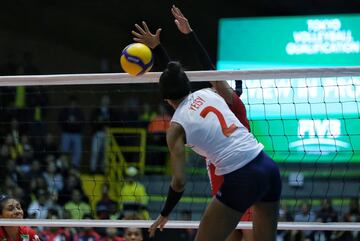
[222,87]
[203,121]
[11,208]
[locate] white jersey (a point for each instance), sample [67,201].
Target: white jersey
[213,131]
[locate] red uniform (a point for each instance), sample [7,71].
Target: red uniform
[24,234]
[238,108]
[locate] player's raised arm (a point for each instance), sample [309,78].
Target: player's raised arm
[183,25]
[175,138]
[152,40]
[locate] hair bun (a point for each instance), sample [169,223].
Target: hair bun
[174,66]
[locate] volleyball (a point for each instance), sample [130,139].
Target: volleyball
[136,59]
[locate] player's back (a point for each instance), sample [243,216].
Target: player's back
[213,131]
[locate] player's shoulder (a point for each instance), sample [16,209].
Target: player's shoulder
[2,233]
[27,230]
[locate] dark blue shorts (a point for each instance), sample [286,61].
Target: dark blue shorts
[258,181]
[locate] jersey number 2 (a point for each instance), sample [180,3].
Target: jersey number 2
[226,130]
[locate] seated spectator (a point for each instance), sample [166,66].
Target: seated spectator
[37,183]
[284,216]
[9,150]
[49,145]
[53,178]
[353,215]
[106,207]
[39,207]
[133,234]
[157,137]
[304,215]
[326,214]
[112,234]
[133,195]
[87,233]
[26,154]
[77,208]
[72,182]
[147,114]
[55,233]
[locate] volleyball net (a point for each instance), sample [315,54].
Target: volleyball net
[91,146]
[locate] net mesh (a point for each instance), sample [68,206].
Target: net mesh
[96,148]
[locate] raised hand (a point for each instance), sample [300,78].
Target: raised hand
[145,36]
[159,222]
[181,22]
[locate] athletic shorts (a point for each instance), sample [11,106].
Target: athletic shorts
[216,182]
[258,181]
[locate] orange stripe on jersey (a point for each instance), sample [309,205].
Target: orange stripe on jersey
[215,181]
[227,131]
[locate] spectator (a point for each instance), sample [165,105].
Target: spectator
[37,183]
[326,214]
[133,195]
[111,234]
[47,146]
[39,207]
[26,154]
[72,182]
[55,233]
[9,150]
[157,128]
[133,234]
[305,215]
[71,120]
[102,117]
[147,115]
[353,215]
[77,208]
[53,178]
[10,187]
[87,233]
[284,216]
[106,208]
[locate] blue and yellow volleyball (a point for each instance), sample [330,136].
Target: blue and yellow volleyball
[136,59]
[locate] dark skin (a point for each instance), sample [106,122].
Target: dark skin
[145,36]
[12,210]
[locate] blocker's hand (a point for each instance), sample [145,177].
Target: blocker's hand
[145,36]
[180,20]
[159,222]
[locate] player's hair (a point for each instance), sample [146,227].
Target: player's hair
[174,84]
[3,199]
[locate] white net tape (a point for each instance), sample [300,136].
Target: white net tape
[171,224]
[152,77]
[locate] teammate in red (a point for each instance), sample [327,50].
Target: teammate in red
[11,208]
[222,87]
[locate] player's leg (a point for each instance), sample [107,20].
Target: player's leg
[248,234]
[236,235]
[244,234]
[265,218]
[218,222]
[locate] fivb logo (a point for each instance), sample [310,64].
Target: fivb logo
[319,136]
